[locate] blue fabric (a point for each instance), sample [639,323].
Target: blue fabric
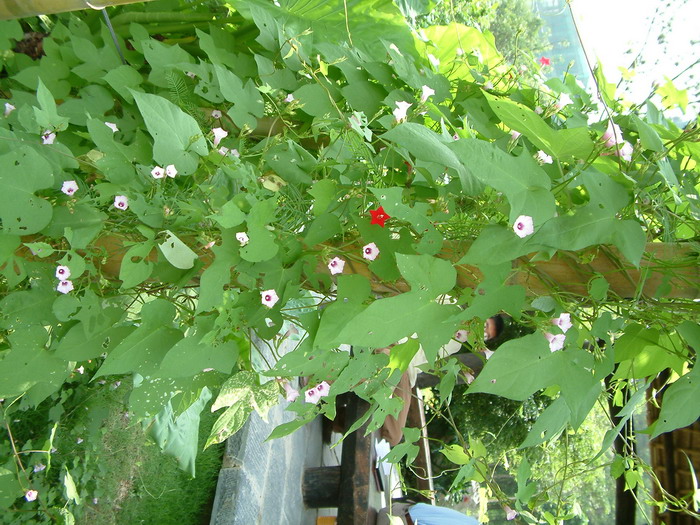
[424,514]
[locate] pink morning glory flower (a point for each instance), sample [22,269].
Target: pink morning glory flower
[289,98]
[426,93]
[215,113]
[612,135]
[510,513]
[556,342]
[400,111]
[543,158]
[242,237]
[524,226]
[370,251]
[62,272]
[171,170]
[219,135]
[461,336]
[515,135]
[48,137]
[65,286]
[121,202]
[336,265]
[9,108]
[112,126]
[158,172]
[69,187]
[269,298]
[563,322]
[292,393]
[314,395]
[31,495]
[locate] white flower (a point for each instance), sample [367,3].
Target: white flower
[292,393]
[190,74]
[269,298]
[112,126]
[31,495]
[556,342]
[427,93]
[523,226]
[515,135]
[65,286]
[400,111]
[510,513]
[121,202]
[314,395]
[488,353]
[488,86]
[79,440]
[69,187]
[243,238]
[289,98]
[234,153]
[62,273]
[539,110]
[39,467]
[434,60]
[625,151]
[459,51]
[158,172]
[48,137]
[543,158]
[171,170]
[219,134]
[215,113]
[370,251]
[563,322]
[223,151]
[461,336]
[9,108]
[469,377]
[80,369]
[336,265]
[563,101]
[209,245]
[455,136]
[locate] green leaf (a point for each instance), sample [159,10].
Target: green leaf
[598,288]
[247,100]
[229,216]
[71,490]
[456,454]
[429,276]
[10,489]
[673,96]
[135,267]
[40,249]
[47,117]
[193,354]
[563,143]
[229,422]
[315,101]
[324,227]
[124,79]
[680,407]
[178,436]
[649,137]
[218,275]
[549,425]
[177,252]
[24,172]
[177,138]
[323,192]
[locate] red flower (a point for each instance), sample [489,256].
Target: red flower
[544,61]
[379,216]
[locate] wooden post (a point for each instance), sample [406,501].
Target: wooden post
[23,8]
[321,487]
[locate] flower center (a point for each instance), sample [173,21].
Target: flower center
[61,271]
[268,298]
[520,225]
[368,250]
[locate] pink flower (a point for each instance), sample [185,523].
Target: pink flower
[219,134]
[556,342]
[336,265]
[370,251]
[215,113]
[158,172]
[69,187]
[612,135]
[400,111]
[31,495]
[523,226]
[112,126]
[242,237]
[625,151]
[539,110]
[461,336]
[292,393]
[9,108]
[269,298]
[65,286]
[515,135]
[426,93]
[314,395]
[563,322]
[289,98]
[121,202]
[543,158]
[171,170]
[544,61]
[62,272]
[510,513]
[48,137]
[455,136]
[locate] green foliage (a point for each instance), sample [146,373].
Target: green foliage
[283,125]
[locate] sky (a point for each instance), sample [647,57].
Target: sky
[611,27]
